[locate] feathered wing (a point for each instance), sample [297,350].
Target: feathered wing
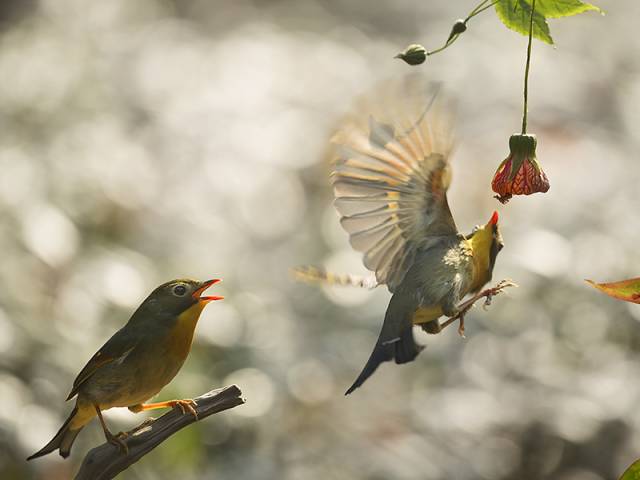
[116,349]
[391,175]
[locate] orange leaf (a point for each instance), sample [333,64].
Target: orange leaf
[628,290]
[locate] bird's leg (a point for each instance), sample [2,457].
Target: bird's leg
[454,312]
[117,440]
[461,325]
[185,405]
[464,307]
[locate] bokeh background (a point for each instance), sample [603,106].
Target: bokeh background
[143,141]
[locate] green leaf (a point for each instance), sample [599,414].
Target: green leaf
[563,8]
[633,472]
[628,290]
[516,14]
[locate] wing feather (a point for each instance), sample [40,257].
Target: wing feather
[391,175]
[115,349]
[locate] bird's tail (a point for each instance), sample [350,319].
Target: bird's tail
[311,274]
[396,341]
[62,440]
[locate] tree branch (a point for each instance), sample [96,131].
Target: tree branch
[106,461]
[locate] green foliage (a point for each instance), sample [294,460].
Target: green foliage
[563,8]
[516,14]
[633,472]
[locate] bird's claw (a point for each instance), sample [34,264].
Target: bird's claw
[492,292]
[119,442]
[187,405]
[488,294]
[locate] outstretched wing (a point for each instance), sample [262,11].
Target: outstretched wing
[391,175]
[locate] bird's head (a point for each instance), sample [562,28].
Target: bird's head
[487,238]
[176,296]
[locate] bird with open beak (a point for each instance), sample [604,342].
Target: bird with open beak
[136,362]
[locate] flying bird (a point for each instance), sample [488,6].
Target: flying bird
[390,177]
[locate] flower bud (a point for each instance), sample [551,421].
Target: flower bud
[414,54]
[519,173]
[459,27]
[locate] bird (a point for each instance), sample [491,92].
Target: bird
[136,362]
[390,176]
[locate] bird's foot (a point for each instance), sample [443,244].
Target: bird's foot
[487,294]
[186,405]
[461,327]
[119,441]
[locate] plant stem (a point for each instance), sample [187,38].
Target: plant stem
[453,39]
[481,7]
[480,10]
[477,8]
[526,70]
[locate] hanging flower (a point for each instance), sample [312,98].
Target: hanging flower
[519,173]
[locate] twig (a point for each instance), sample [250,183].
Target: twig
[106,461]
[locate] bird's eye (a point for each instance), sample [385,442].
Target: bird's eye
[179,290]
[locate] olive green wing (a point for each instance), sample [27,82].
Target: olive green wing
[391,175]
[115,350]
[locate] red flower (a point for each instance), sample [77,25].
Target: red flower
[519,173]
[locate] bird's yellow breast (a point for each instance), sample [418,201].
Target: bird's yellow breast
[181,335]
[480,246]
[426,314]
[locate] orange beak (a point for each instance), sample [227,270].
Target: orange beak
[494,218]
[203,286]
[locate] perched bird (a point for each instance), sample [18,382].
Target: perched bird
[390,180]
[136,362]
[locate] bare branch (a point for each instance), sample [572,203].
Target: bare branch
[106,461]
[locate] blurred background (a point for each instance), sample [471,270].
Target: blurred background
[143,141]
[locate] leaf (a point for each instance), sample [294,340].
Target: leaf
[628,290]
[563,8]
[633,472]
[516,14]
